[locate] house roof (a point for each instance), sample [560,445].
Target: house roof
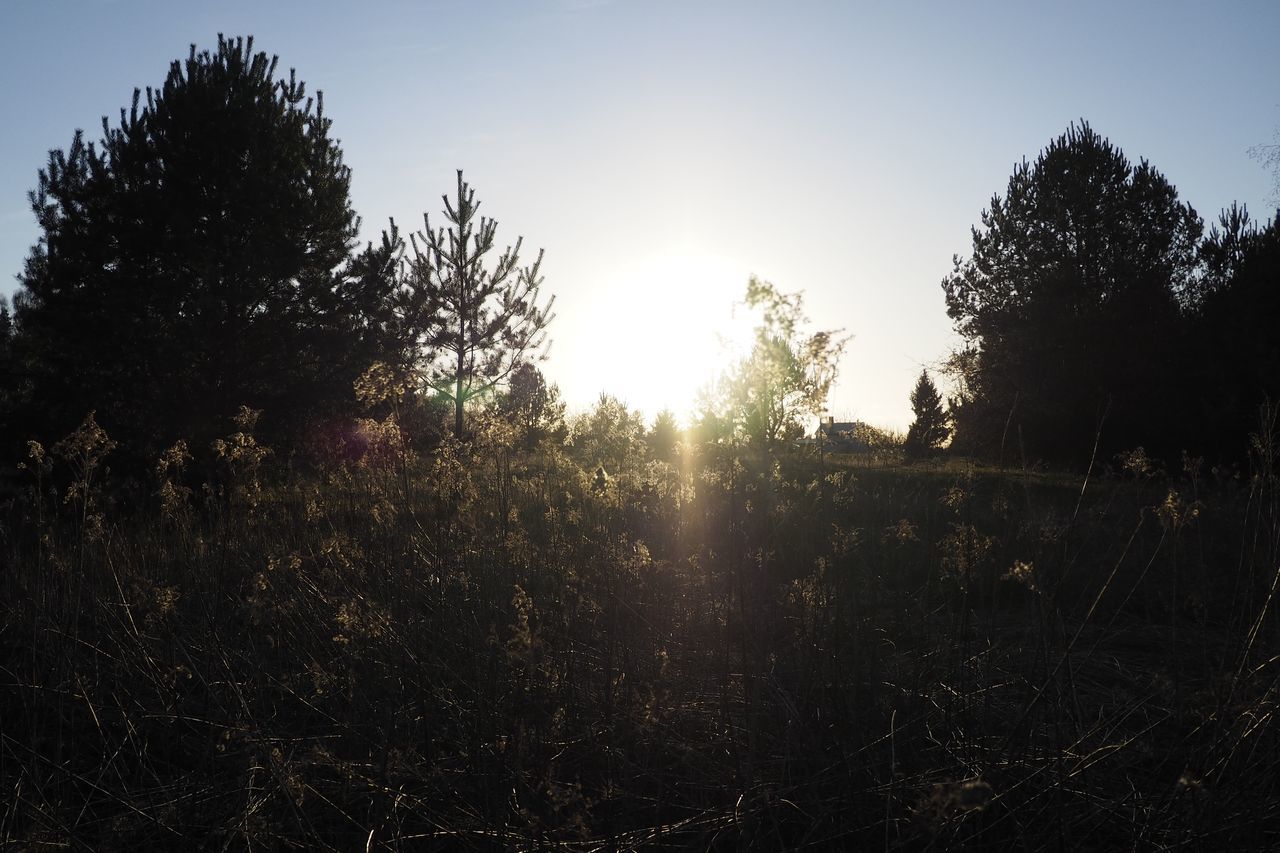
[839,426]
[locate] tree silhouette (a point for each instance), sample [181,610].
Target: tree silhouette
[1070,302]
[489,321]
[8,374]
[929,429]
[198,259]
[533,407]
[1233,348]
[663,436]
[1225,248]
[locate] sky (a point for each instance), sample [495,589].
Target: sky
[662,152]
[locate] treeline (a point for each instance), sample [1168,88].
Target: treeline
[197,268]
[202,256]
[476,623]
[578,635]
[1100,316]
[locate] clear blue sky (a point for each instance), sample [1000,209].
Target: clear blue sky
[660,151]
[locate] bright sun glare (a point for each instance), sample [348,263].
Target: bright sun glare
[667,325]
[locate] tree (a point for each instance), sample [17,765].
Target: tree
[197,259]
[1070,303]
[8,373]
[533,407]
[787,374]
[929,429]
[664,435]
[1225,249]
[1233,347]
[489,321]
[611,435]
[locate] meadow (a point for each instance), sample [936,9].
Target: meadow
[488,645]
[383,595]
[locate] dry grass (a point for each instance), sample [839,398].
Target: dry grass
[484,649]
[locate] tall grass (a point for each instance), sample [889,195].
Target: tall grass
[483,647]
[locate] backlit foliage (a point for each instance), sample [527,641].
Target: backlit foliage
[480,322]
[526,651]
[378,630]
[786,375]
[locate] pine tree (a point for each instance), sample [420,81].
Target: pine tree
[485,322]
[533,407]
[664,435]
[197,259]
[610,435]
[1070,303]
[929,429]
[1233,348]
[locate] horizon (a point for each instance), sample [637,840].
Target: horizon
[662,157]
[304,549]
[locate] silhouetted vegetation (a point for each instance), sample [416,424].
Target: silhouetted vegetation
[264,586]
[485,646]
[1070,305]
[533,408]
[1233,336]
[481,324]
[1097,319]
[196,259]
[929,430]
[784,378]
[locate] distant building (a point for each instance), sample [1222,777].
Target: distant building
[850,436]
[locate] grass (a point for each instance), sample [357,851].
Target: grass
[482,648]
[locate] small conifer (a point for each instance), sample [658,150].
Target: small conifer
[930,428]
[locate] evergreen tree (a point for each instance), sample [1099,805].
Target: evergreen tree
[611,435]
[198,258]
[929,429]
[664,435]
[484,322]
[1233,343]
[533,406]
[1230,241]
[1070,304]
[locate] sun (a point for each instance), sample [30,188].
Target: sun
[668,324]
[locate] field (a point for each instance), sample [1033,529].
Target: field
[482,647]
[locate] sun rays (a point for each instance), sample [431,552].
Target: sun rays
[664,325]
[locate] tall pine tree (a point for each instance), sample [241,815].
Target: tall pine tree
[199,258]
[482,322]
